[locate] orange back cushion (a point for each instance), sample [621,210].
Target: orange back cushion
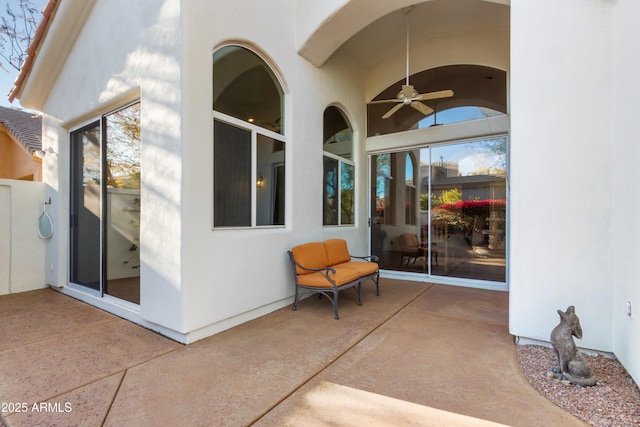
[311,255]
[408,240]
[337,251]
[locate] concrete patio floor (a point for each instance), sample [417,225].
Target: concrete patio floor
[419,354]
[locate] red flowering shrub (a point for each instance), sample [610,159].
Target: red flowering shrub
[466,215]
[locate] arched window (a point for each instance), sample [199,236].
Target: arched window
[472,92]
[249,142]
[338,169]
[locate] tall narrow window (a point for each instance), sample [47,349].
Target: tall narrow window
[86,188]
[383,189]
[410,191]
[338,169]
[249,143]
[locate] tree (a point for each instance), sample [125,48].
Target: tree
[17,29]
[123,148]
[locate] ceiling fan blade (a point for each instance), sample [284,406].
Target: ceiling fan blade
[435,95]
[383,101]
[426,110]
[392,111]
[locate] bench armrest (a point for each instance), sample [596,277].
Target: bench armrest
[370,258]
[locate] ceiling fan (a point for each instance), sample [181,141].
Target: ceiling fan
[408,95]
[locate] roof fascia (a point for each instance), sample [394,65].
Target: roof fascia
[50,52]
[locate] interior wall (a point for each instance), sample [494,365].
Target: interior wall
[561,175]
[626,201]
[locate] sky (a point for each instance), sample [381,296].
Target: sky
[7,77]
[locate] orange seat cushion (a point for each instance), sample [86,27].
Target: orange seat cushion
[310,255]
[318,280]
[337,251]
[363,268]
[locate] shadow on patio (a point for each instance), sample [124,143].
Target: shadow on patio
[419,354]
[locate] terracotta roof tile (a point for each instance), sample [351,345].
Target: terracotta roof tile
[24,126]
[38,38]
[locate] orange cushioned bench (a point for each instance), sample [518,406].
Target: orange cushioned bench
[327,268]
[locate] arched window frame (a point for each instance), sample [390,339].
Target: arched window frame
[339,174]
[263,186]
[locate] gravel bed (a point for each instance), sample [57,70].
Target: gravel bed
[613,401]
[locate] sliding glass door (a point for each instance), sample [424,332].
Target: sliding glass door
[441,210]
[105,205]
[86,207]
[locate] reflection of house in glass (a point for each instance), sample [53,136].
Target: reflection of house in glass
[480,211]
[452,224]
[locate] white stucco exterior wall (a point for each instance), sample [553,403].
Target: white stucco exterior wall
[561,174]
[230,276]
[572,84]
[196,280]
[625,227]
[135,53]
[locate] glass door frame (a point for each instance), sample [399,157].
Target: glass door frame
[73,207]
[492,127]
[101,123]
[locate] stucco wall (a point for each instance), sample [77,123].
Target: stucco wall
[195,279]
[561,168]
[226,272]
[125,51]
[22,260]
[232,275]
[569,123]
[625,227]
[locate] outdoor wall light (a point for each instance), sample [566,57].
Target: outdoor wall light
[41,154]
[260,181]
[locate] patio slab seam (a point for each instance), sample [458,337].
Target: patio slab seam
[340,356]
[97,325]
[124,371]
[113,399]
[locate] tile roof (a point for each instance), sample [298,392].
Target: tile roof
[24,126]
[38,39]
